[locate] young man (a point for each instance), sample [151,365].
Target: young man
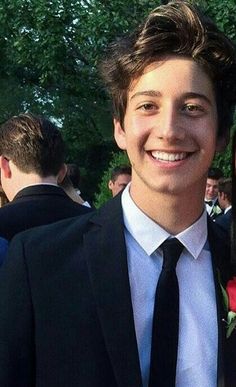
[120,177]
[211,195]
[32,154]
[85,310]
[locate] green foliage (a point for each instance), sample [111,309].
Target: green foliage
[49,55]
[104,193]
[224,160]
[223,12]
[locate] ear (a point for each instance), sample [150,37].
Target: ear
[119,134]
[5,167]
[110,184]
[62,173]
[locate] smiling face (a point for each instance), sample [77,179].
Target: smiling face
[212,187]
[169,128]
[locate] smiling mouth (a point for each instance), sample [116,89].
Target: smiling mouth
[169,157]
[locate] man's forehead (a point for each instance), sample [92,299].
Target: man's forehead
[123,177]
[212,181]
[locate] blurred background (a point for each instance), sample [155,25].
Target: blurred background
[50,51]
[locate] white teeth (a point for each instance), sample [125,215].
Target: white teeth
[168,156]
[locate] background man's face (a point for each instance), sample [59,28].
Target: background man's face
[119,184]
[211,189]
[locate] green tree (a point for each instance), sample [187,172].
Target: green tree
[49,56]
[224,160]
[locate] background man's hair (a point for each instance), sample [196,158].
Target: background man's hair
[73,173]
[177,28]
[120,170]
[214,173]
[225,186]
[33,143]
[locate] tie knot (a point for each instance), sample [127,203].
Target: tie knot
[172,248]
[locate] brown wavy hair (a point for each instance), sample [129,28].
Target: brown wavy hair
[177,28]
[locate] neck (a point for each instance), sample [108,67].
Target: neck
[174,213]
[212,200]
[26,180]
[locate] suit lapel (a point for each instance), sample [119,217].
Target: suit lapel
[220,252]
[106,257]
[107,263]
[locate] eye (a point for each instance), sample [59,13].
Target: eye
[193,109]
[147,106]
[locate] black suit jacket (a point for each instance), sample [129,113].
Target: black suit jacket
[225,220]
[35,206]
[214,214]
[66,313]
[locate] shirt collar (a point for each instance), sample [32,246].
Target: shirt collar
[150,235]
[211,200]
[32,185]
[227,209]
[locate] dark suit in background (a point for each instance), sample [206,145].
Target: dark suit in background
[215,210]
[3,249]
[225,220]
[71,324]
[37,205]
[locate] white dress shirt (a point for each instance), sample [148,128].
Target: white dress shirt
[208,207]
[227,209]
[198,332]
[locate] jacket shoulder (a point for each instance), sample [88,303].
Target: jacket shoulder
[59,230]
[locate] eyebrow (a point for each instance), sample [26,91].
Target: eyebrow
[156,93]
[198,95]
[149,93]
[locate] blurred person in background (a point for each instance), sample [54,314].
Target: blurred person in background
[211,196]
[225,202]
[32,154]
[72,183]
[120,177]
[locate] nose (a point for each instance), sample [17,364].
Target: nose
[169,124]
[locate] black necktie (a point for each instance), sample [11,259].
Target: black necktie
[209,202]
[165,329]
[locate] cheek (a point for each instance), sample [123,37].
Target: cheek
[207,137]
[137,124]
[136,140]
